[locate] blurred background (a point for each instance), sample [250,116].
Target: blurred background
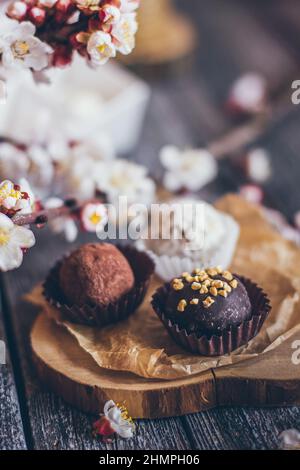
[201,71]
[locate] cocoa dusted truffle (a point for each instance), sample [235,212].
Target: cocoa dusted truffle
[97,274]
[207,302]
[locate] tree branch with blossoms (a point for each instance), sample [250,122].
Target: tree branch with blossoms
[39,34]
[19,210]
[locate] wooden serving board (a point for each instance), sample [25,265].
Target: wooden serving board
[270,379]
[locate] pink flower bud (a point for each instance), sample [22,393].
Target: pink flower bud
[17,10]
[62,56]
[37,16]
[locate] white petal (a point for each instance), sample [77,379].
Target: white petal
[6,222]
[11,257]
[71,230]
[109,404]
[170,156]
[23,237]
[53,203]
[125,431]
[172,181]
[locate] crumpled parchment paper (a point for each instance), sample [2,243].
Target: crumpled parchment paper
[141,344]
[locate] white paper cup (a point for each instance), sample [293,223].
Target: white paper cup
[168,267]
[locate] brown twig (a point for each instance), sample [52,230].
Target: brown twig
[71,206]
[238,138]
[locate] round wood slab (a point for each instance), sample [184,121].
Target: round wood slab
[70,372]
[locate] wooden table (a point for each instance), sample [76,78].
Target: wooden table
[186,109]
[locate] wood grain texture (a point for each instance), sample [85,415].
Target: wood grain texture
[71,373]
[270,379]
[11,428]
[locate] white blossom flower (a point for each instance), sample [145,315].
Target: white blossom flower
[41,165]
[19,46]
[96,147]
[111,14]
[124,33]
[129,6]
[248,93]
[65,225]
[100,48]
[13,198]
[14,162]
[123,178]
[190,169]
[115,420]
[94,217]
[83,164]
[13,239]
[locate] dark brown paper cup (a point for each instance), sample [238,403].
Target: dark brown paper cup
[231,338]
[95,315]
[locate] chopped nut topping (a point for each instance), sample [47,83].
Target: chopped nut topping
[197,271]
[207,282]
[194,301]
[190,278]
[227,287]
[227,275]
[203,276]
[196,286]
[212,272]
[213,291]
[234,283]
[208,302]
[223,293]
[217,284]
[185,274]
[204,290]
[181,306]
[178,285]
[219,269]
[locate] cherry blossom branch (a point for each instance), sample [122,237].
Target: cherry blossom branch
[43,216]
[238,138]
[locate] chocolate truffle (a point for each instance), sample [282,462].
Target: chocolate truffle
[207,302]
[97,274]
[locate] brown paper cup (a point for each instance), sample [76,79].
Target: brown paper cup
[95,315]
[231,338]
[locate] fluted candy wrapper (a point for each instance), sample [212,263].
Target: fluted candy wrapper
[95,315]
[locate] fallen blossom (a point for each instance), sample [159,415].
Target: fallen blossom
[290,440]
[13,240]
[248,94]
[189,169]
[115,420]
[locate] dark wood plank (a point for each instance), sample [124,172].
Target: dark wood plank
[237,428]
[53,424]
[11,429]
